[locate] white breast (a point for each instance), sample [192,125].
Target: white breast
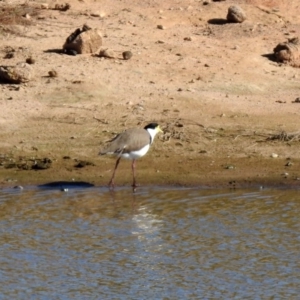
[136,154]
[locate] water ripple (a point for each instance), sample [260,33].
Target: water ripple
[171,243]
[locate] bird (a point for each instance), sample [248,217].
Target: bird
[131,144]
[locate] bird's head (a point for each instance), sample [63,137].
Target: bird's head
[153,127]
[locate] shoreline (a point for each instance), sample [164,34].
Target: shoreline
[267,173]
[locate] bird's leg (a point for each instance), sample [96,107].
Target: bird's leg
[133,173]
[112,181]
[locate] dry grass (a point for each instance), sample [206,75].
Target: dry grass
[285,137]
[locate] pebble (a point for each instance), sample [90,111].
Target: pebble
[52,73]
[30,60]
[44,6]
[127,55]
[161,27]
[98,14]
[274,155]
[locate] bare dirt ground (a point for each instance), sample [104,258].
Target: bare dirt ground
[208,83]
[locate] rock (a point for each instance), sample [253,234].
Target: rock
[127,55]
[107,53]
[288,52]
[30,60]
[44,6]
[52,73]
[236,14]
[20,73]
[98,14]
[27,16]
[62,7]
[161,27]
[83,41]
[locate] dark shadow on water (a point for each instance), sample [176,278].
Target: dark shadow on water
[217,21]
[61,185]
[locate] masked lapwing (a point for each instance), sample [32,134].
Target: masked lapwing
[131,144]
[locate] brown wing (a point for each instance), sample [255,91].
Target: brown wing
[127,141]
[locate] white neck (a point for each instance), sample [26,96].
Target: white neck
[152,133]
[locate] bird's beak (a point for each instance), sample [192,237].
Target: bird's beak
[159,129]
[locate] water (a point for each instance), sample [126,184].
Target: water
[157,243]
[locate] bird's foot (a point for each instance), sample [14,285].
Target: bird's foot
[111,185]
[135,186]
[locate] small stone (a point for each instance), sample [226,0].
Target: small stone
[229,167]
[52,73]
[44,6]
[188,39]
[236,14]
[30,60]
[62,7]
[274,155]
[161,27]
[127,55]
[97,14]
